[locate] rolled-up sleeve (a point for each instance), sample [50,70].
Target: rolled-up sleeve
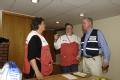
[104,47]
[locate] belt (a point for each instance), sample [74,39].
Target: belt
[90,56]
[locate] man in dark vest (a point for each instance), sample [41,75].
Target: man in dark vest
[94,49]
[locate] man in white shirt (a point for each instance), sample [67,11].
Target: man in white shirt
[69,49]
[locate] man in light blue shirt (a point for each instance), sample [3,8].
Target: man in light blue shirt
[94,49]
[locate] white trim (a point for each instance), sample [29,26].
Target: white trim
[82,49]
[82,42]
[13,12]
[93,41]
[92,48]
[32,33]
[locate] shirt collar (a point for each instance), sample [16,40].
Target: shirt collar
[89,31]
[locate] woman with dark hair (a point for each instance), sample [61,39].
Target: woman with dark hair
[37,59]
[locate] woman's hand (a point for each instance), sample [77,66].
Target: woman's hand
[78,57]
[36,69]
[39,76]
[56,36]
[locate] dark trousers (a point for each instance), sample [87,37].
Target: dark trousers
[68,69]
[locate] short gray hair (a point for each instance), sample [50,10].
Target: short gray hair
[89,19]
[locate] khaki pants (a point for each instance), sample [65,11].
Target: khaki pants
[93,65]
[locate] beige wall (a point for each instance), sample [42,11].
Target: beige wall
[111,29]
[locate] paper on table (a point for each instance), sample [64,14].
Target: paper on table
[80,74]
[69,76]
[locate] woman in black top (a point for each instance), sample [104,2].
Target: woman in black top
[34,49]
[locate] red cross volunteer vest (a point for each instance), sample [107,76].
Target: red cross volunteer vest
[45,59]
[69,52]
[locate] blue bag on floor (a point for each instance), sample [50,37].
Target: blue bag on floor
[10,71]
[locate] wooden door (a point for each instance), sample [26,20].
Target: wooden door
[16,28]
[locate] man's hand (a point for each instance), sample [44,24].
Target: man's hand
[105,67]
[56,36]
[39,76]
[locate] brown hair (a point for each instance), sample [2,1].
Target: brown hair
[68,24]
[35,22]
[89,19]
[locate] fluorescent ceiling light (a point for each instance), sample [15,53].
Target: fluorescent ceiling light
[35,1]
[57,22]
[82,14]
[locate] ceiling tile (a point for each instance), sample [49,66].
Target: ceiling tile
[6,4]
[63,10]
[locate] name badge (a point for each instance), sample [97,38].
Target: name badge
[92,38]
[64,40]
